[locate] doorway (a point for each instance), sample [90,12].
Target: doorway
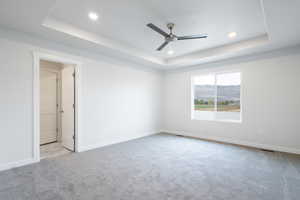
[56,106]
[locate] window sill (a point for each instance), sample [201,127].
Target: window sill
[218,120]
[227,117]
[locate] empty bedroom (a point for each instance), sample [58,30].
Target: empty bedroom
[149,100]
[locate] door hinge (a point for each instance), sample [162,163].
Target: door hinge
[73,137]
[73,74]
[56,130]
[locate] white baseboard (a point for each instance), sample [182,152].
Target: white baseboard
[17,164]
[236,142]
[102,144]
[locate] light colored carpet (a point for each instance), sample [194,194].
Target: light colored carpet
[53,150]
[160,167]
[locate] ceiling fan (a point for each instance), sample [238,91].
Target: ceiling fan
[171,37]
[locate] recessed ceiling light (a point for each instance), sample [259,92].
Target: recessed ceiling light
[170,52]
[232,34]
[93,16]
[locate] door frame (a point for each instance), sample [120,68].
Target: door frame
[37,57]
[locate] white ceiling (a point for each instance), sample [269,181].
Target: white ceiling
[261,25]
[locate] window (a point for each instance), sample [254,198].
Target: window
[217,97]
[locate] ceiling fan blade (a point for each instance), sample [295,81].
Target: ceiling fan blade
[158,30]
[201,36]
[162,46]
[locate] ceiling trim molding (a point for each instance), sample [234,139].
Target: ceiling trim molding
[225,50]
[114,48]
[39,42]
[291,50]
[262,5]
[36,41]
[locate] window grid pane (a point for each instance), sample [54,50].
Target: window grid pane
[228,92]
[204,93]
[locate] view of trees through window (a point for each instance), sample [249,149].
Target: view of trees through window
[217,92]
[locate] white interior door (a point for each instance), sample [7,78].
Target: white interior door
[68,114]
[48,106]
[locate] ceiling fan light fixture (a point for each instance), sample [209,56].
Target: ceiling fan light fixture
[93,16]
[232,34]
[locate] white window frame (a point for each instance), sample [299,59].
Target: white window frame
[215,73]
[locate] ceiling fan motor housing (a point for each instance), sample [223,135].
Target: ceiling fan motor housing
[171,36]
[170,26]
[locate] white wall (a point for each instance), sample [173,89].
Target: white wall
[270,105]
[119,103]
[122,103]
